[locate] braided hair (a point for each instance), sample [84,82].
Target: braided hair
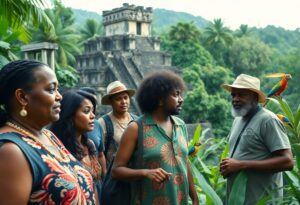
[14,75]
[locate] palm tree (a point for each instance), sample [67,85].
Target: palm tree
[15,16]
[184,32]
[63,34]
[91,29]
[7,38]
[217,33]
[244,30]
[19,13]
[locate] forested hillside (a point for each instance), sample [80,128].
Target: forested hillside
[276,37]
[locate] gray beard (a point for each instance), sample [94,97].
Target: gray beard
[241,112]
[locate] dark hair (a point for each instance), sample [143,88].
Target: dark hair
[14,75]
[89,90]
[64,128]
[155,87]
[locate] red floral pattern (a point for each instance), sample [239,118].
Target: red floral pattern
[150,142]
[178,179]
[65,180]
[63,183]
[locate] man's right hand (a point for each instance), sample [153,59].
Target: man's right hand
[158,175]
[230,165]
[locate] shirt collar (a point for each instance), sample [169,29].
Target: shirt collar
[148,120]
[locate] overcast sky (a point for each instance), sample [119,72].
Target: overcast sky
[259,13]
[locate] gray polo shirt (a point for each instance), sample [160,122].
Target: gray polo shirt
[264,134]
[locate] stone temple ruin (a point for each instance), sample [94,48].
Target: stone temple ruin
[127,52]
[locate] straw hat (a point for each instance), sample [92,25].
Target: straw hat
[248,82]
[115,88]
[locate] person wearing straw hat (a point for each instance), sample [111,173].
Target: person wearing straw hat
[258,143]
[115,122]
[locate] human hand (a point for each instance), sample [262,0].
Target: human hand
[157,175]
[229,165]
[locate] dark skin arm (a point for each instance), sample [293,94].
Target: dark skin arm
[281,160]
[124,153]
[102,161]
[15,176]
[192,190]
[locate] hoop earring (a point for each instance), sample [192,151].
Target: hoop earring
[23,112]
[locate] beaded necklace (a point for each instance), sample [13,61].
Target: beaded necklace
[63,156]
[123,125]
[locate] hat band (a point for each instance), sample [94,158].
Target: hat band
[245,85]
[117,89]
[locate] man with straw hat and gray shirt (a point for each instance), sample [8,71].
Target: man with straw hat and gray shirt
[115,122]
[258,143]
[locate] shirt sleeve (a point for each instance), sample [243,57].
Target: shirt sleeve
[274,135]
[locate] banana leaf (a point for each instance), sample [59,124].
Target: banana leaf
[296,150]
[238,191]
[293,181]
[206,188]
[204,166]
[225,152]
[297,117]
[286,109]
[196,136]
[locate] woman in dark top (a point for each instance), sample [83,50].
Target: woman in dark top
[35,167]
[76,119]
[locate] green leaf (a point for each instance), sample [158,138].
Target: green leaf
[264,200]
[225,152]
[286,109]
[293,181]
[203,165]
[196,136]
[238,191]
[4,45]
[297,117]
[207,189]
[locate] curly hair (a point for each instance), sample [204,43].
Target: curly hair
[14,75]
[64,128]
[155,87]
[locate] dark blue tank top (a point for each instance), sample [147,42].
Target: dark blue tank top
[55,181]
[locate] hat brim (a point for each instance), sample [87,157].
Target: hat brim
[261,95]
[105,100]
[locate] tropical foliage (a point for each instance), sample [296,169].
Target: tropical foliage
[205,166]
[217,39]
[8,37]
[249,55]
[292,187]
[18,14]
[183,42]
[63,33]
[14,18]
[91,29]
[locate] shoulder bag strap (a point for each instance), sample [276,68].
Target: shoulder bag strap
[239,137]
[133,116]
[109,132]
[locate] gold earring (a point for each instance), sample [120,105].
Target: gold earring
[23,112]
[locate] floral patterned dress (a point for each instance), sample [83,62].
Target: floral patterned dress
[54,181]
[93,166]
[170,154]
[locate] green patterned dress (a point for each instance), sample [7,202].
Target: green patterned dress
[170,154]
